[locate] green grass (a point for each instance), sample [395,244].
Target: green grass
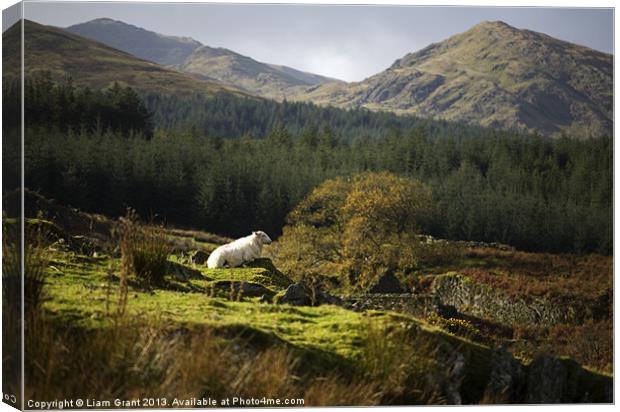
[76,279]
[82,292]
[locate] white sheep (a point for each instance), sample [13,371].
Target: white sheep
[240,251]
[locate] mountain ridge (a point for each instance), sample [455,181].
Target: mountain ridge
[145,44]
[492,75]
[189,55]
[90,63]
[264,79]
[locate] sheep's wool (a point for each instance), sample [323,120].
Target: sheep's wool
[236,253]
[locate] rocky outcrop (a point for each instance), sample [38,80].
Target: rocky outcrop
[457,296]
[546,380]
[506,380]
[468,243]
[480,300]
[448,379]
[462,373]
[561,380]
[278,278]
[301,294]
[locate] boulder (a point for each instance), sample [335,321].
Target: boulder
[297,294]
[447,378]
[278,278]
[546,379]
[300,294]
[506,380]
[243,289]
[387,283]
[328,299]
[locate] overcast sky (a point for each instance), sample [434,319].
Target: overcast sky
[346,42]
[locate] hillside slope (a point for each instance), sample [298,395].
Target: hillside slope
[145,44]
[89,63]
[187,54]
[400,356]
[492,75]
[263,79]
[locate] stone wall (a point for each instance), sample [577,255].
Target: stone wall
[480,300]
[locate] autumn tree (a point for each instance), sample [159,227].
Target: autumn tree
[383,213]
[358,227]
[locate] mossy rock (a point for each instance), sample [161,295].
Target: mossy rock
[46,229]
[183,272]
[301,294]
[243,289]
[70,220]
[278,278]
[260,271]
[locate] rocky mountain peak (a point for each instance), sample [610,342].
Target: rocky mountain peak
[493,75]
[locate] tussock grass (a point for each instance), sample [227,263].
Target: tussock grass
[131,358]
[144,249]
[35,257]
[399,363]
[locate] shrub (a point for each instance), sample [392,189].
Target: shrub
[11,270]
[437,253]
[459,327]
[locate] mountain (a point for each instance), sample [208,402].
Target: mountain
[263,79]
[94,64]
[145,44]
[189,55]
[492,75]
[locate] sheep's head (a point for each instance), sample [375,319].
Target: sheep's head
[263,237]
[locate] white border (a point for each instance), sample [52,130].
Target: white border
[462,3]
